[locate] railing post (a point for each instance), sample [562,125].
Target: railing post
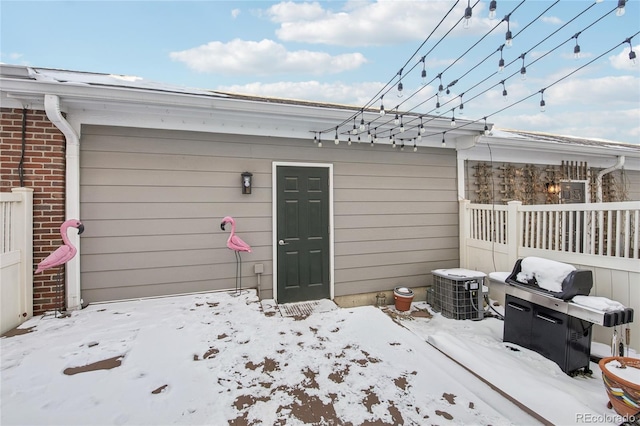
[465,225]
[514,231]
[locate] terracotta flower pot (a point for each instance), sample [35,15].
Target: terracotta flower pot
[624,396]
[403,297]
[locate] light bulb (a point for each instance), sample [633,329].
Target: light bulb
[508,39]
[632,58]
[576,52]
[400,87]
[319,144]
[543,106]
[438,107]
[453,122]
[415,148]
[523,73]
[621,9]
[336,141]
[501,65]
[504,95]
[461,109]
[401,125]
[349,142]
[467,22]
[362,124]
[396,120]
[492,9]
[422,129]
[419,137]
[382,111]
[486,130]
[424,77]
[440,89]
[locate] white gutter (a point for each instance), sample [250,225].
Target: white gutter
[616,166]
[72,190]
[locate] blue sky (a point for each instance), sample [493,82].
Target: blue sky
[346,52]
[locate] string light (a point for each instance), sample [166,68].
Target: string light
[424,71]
[632,54]
[486,128]
[543,104]
[382,111]
[336,140]
[401,125]
[461,106]
[319,140]
[493,5]
[355,129]
[422,129]
[508,36]
[400,87]
[523,69]
[440,86]
[396,120]
[415,147]
[453,117]
[444,143]
[501,61]
[467,15]
[402,146]
[620,10]
[362,122]
[576,48]
[437,104]
[349,141]
[369,137]
[393,141]
[315,138]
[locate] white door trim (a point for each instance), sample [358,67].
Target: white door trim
[274,218]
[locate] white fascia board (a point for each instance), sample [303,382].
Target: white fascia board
[169,110]
[529,151]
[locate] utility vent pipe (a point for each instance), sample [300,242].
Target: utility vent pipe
[616,166]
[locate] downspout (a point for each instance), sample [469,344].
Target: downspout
[616,166]
[72,194]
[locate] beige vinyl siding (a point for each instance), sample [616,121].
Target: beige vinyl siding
[152,202]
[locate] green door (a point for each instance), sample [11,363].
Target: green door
[302,233]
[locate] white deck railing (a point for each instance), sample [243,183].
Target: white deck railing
[603,229]
[601,237]
[16,257]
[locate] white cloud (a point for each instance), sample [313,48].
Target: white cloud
[618,91]
[235,13]
[554,20]
[621,61]
[264,57]
[367,23]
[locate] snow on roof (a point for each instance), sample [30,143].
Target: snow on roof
[113,80]
[561,139]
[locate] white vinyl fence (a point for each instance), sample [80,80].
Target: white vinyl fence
[601,237]
[16,257]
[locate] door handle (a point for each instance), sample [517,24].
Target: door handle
[282,243]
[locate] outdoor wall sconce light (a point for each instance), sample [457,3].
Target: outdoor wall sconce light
[552,188]
[246,182]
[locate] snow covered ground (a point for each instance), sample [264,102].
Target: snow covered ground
[217,359]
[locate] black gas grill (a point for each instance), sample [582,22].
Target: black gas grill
[551,324]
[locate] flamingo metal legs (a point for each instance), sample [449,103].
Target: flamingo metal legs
[238,273]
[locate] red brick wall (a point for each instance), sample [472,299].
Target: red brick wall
[44,171]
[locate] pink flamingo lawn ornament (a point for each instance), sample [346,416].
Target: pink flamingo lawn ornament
[62,254]
[236,244]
